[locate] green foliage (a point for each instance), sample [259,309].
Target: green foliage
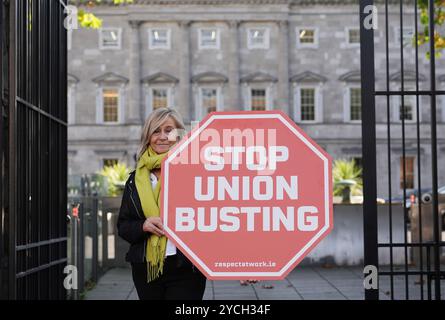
[116,175]
[89,285]
[347,170]
[439,19]
[89,20]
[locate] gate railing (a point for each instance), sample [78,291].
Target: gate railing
[428,271]
[93,243]
[33,149]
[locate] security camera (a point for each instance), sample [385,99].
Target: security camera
[426,198]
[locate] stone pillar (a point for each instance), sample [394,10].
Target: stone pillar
[234,101]
[283,100]
[185,105]
[135,109]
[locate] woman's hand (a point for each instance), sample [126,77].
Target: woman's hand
[154,225]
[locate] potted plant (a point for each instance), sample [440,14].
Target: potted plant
[347,180]
[116,175]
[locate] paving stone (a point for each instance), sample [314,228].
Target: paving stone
[302,283]
[324,296]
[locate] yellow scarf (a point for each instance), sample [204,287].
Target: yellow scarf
[150,205]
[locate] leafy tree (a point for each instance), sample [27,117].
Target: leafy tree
[88,19]
[439,19]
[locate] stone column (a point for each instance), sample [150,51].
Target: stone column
[184,104]
[234,101]
[135,106]
[283,100]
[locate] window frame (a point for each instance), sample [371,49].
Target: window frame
[268,91]
[300,45]
[100,105]
[318,103]
[219,99]
[397,100]
[217,45]
[149,96]
[119,38]
[347,103]
[263,46]
[152,46]
[348,38]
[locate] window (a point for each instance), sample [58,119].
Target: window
[353,36]
[109,162]
[110,98]
[408,180]
[110,105]
[307,104]
[159,39]
[209,99]
[307,38]
[258,38]
[408,36]
[209,39]
[355,104]
[407,111]
[110,38]
[258,99]
[258,93]
[159,98]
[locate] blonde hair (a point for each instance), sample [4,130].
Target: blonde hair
[154,121]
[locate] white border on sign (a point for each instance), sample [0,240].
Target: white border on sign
[302,138]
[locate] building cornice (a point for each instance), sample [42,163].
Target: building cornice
[160,77]
[110,77]
[352,76]
[308,76]
[209,77]
[190,2]
[258,77]
[238,2]
[408,75]
[72,79]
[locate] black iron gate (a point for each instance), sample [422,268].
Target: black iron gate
[403,237]
[33,145]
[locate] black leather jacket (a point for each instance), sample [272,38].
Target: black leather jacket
[130,222]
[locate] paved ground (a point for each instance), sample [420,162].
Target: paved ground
[301,284]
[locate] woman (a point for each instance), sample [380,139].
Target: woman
[160,271]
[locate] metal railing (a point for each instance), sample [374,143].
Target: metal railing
[33,148]
[400,138]
[93,243]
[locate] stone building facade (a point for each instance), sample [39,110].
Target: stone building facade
[302,57]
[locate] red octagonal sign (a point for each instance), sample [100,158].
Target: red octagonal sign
[247,195]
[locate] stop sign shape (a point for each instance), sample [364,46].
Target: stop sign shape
[246,195]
